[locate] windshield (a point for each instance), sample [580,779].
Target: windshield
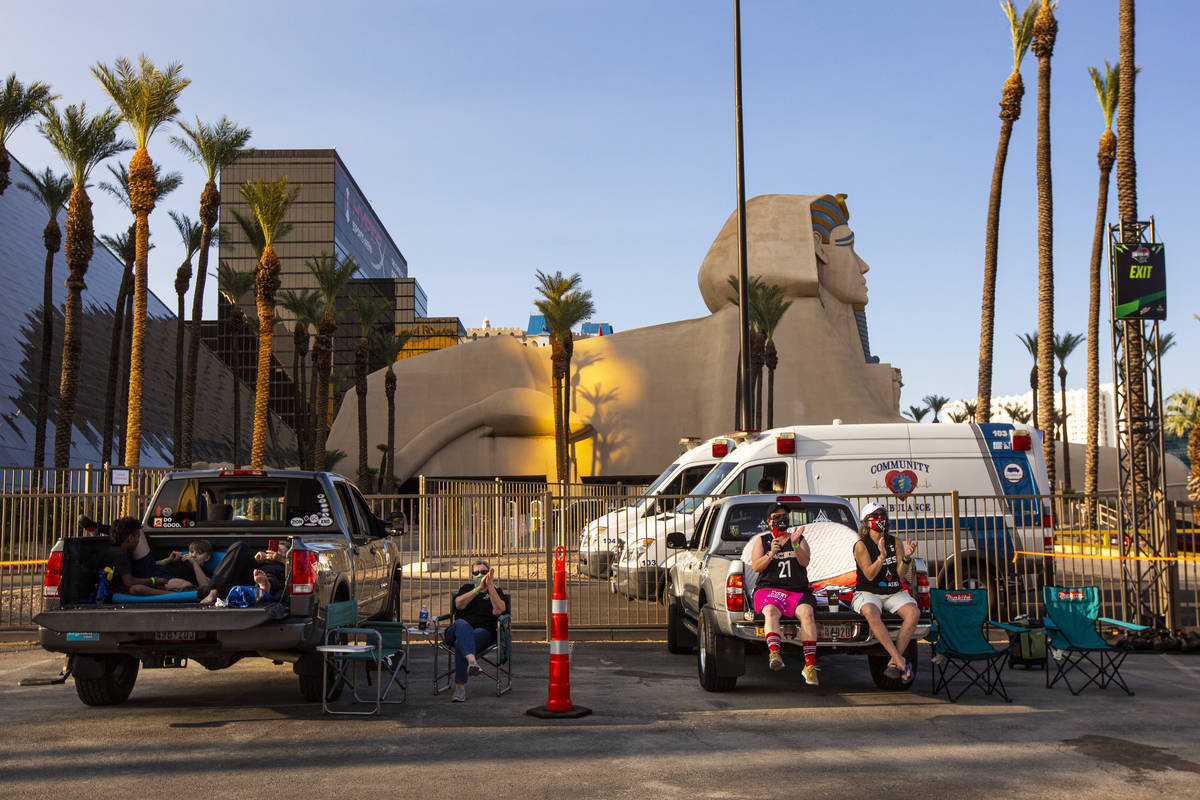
[705,487]
[659,481]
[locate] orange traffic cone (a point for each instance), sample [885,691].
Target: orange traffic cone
[558,703]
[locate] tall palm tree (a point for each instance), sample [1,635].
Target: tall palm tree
[213,147]
[758,346]
[1107,92]
[563,305]
[190,236]
[52,191]
[1045,30]
[234,285]
[306,307]
[970,407]
[368,312]
[331,275]
[917,413]
[1183,417]
[936,403]
[123,246]
[146,97]
[388,346]
[1017,412]
[1021,26]
[81,142]
[18,105]
[958,416]
[773,305]
[1030,340]
[1064,346]
[269,203]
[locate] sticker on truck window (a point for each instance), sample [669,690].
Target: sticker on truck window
[296,522]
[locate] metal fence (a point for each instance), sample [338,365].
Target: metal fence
[1010,545]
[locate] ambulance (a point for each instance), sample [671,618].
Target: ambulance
[910,468]
[602,538]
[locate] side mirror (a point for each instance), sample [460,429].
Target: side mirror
[677,540]
[399,525]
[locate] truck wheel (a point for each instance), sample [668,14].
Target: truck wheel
[706,656]
[680,640]
[310,687]
[119,673]
[391,609]
[878,665]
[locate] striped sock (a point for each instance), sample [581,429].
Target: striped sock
[810,653]
[773,642]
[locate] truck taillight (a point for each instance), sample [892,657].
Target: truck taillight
[259,472]
[735,596]
[304,571]
[720,449]
[923,591]
[785,444]
[53,575]
[1047,522]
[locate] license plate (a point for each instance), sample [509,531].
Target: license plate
[835,630]
[90,636]
[175,636]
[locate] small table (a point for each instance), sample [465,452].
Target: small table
[433,635]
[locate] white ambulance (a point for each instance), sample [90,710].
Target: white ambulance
[908,467]
[602,538]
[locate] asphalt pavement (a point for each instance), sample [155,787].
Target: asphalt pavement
[653,733]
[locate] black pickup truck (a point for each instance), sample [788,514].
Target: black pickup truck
[334,549]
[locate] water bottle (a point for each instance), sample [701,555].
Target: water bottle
[423,619]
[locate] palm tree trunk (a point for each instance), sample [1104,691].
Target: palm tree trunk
[361,351]
[142,187]
[52,237]
[311,423]
[114,361]
[266,283]
[1045,30]
[1033,386]
[238,327]
[123,383]
[987,316]
[78,254]
[556,369]
[180,379]
[389,389]
[737,394]
[210,202]
[323,356]
[299,339]
[1091,462]
[1062,377]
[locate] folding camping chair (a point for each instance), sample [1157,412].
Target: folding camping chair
[380,647]
[960,646]
[1071,618]
[495,661]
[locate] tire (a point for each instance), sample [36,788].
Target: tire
[114,686]
[706,657]
[878,666]
[680,640]
[310,687]
[391,609]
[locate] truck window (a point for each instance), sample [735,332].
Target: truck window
[705,487]
[222,500]
[365,514]
[747,480]
[700,536]
[358,527]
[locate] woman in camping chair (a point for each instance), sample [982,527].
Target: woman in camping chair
[477,606]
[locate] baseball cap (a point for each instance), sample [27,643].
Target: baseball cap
[869,509]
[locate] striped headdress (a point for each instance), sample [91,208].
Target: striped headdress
[828,212]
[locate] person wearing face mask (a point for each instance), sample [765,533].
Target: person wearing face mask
[477,607]
[880,569]
[781,557]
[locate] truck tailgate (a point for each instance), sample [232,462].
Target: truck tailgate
[150,620]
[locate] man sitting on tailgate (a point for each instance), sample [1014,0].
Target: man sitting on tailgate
[780,557]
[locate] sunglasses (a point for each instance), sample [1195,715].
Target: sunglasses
[478,573]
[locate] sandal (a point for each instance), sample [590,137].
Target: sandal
[907,675]
[892,671]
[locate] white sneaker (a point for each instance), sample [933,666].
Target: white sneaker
[460,695]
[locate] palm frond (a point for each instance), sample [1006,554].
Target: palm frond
[81,141]
[306,305]
[51,190]
[20,103]
[213,147]
[369,311]
[331,275]
[1030,341]
[388,346]
[269,202]
[1182,413]
[1022,28]
[1065,344]
[164,183]
[145,95]
[234,284]
[189,232]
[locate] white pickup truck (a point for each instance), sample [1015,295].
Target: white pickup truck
[709,607]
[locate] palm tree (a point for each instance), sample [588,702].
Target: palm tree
[213,147]
[18,105]
[563,305]
[53,192]
[773,305]
[958,416]
[970,407]
[1183,417]
[122,245]
[81,142]
[234,285]
[1030,340]
[305,306]
[936,403]
[331,275]
[1045,30]
[1064,346]
[1016,412]
[189,234]
[1107,92]
[388,346]
[146,97]
[368,311]
[917,413]
[1010,110]
[269,203]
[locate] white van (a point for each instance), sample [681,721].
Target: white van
[894,463]
[602,538]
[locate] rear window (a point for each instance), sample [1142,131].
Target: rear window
[217,501]
[747,520]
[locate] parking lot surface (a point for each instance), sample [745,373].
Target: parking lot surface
[654,733]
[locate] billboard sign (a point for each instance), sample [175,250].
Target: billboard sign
[1141,281]
[359,232]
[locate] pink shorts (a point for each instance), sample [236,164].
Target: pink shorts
[782,599]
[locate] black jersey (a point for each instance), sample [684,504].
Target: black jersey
[784,571]
[886,581]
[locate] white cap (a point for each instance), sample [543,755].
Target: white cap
[869,509]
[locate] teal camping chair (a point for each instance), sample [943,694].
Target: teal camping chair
[380,647]
[496,661]
[1071,618]
[960,646]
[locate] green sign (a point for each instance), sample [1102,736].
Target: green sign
[1141,281]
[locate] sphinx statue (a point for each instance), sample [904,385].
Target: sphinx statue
[483,408]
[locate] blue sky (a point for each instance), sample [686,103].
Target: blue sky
[495,139]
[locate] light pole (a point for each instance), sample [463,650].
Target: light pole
[743,270]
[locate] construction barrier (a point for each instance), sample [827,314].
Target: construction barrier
[558,702]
